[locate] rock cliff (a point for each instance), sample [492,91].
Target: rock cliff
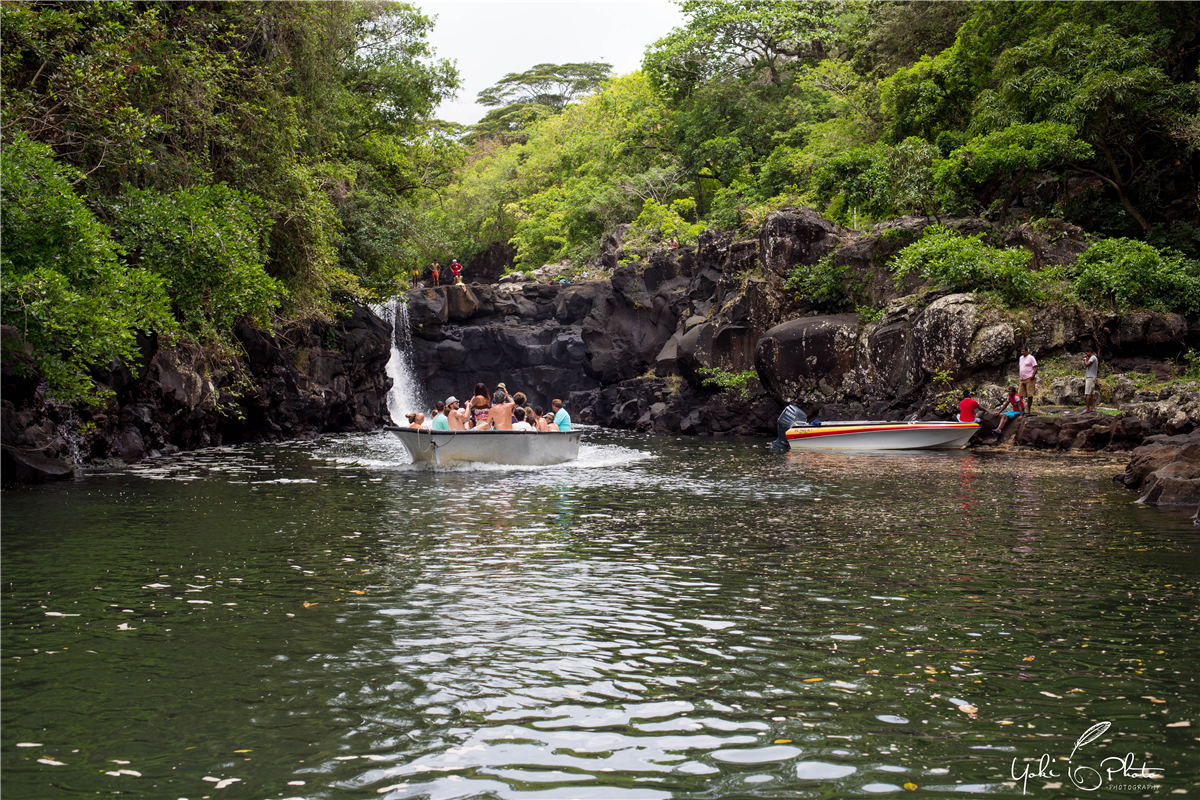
[307,379]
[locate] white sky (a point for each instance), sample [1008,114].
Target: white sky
[490,38]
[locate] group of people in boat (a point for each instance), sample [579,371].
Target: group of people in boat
[497,411]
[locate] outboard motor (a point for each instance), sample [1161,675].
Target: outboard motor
[791,417]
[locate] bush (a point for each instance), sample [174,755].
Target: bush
[823,284]
[668,221]
[734,382]
[1130,274]
[209,244]
[966,264]
[64,287]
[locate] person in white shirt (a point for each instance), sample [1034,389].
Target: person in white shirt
[1091,373]
[521,424]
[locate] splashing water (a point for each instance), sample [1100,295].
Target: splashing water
[406,394]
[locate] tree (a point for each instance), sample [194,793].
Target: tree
[1106,85]
[1013,154]
[739,38]
[1131,274]
[300,104]
[554,86]
[208,243]
[888,36]
[64,287]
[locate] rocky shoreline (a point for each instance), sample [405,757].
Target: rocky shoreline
[631,346]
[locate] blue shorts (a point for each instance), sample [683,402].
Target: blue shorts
[1012,414]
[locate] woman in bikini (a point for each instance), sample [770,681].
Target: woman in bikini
[479,406]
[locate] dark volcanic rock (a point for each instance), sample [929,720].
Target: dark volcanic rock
[807,352]
[24,466]
[1166,470]
[309,379]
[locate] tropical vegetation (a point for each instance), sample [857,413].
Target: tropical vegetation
[186,168]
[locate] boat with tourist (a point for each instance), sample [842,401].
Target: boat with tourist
[795,431]
[519,448]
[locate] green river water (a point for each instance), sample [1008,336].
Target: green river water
[665,618]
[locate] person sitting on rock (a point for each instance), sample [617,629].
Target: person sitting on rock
[1017,409]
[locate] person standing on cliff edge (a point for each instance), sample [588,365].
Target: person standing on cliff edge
[1028,371]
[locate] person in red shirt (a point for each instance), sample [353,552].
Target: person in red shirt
[969,410]
[1018,408]
[455,268]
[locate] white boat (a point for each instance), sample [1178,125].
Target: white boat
[795,431]
[869,435]
[497,447]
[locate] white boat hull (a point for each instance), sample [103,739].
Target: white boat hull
[882,435]
[495,447]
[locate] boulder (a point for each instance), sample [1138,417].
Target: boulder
[944,335]
[796,356]
[1165,470]
[31,466]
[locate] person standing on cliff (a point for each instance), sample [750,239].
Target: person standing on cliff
[455,269]
[1028,367]
[1091,373]
[435,270]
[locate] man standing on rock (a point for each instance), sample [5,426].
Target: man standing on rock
[1028,370]
[1091,372]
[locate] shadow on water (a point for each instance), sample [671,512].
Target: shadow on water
[663,618]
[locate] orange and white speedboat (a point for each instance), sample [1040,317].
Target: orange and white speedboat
[870,434]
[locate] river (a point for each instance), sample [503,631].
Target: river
[665,618]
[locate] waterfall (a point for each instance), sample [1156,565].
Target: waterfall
[406,394]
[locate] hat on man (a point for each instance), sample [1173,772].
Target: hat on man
[501,386]
[451,399]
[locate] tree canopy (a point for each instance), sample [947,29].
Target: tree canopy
[262,160]
[253,158]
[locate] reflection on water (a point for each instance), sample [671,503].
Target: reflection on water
[663,618]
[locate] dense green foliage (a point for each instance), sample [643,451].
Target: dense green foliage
[1122,274]
[865,110]
[64,287]
[276,159]
[966,263]
[209,245]
[254,159]
[1129,274]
